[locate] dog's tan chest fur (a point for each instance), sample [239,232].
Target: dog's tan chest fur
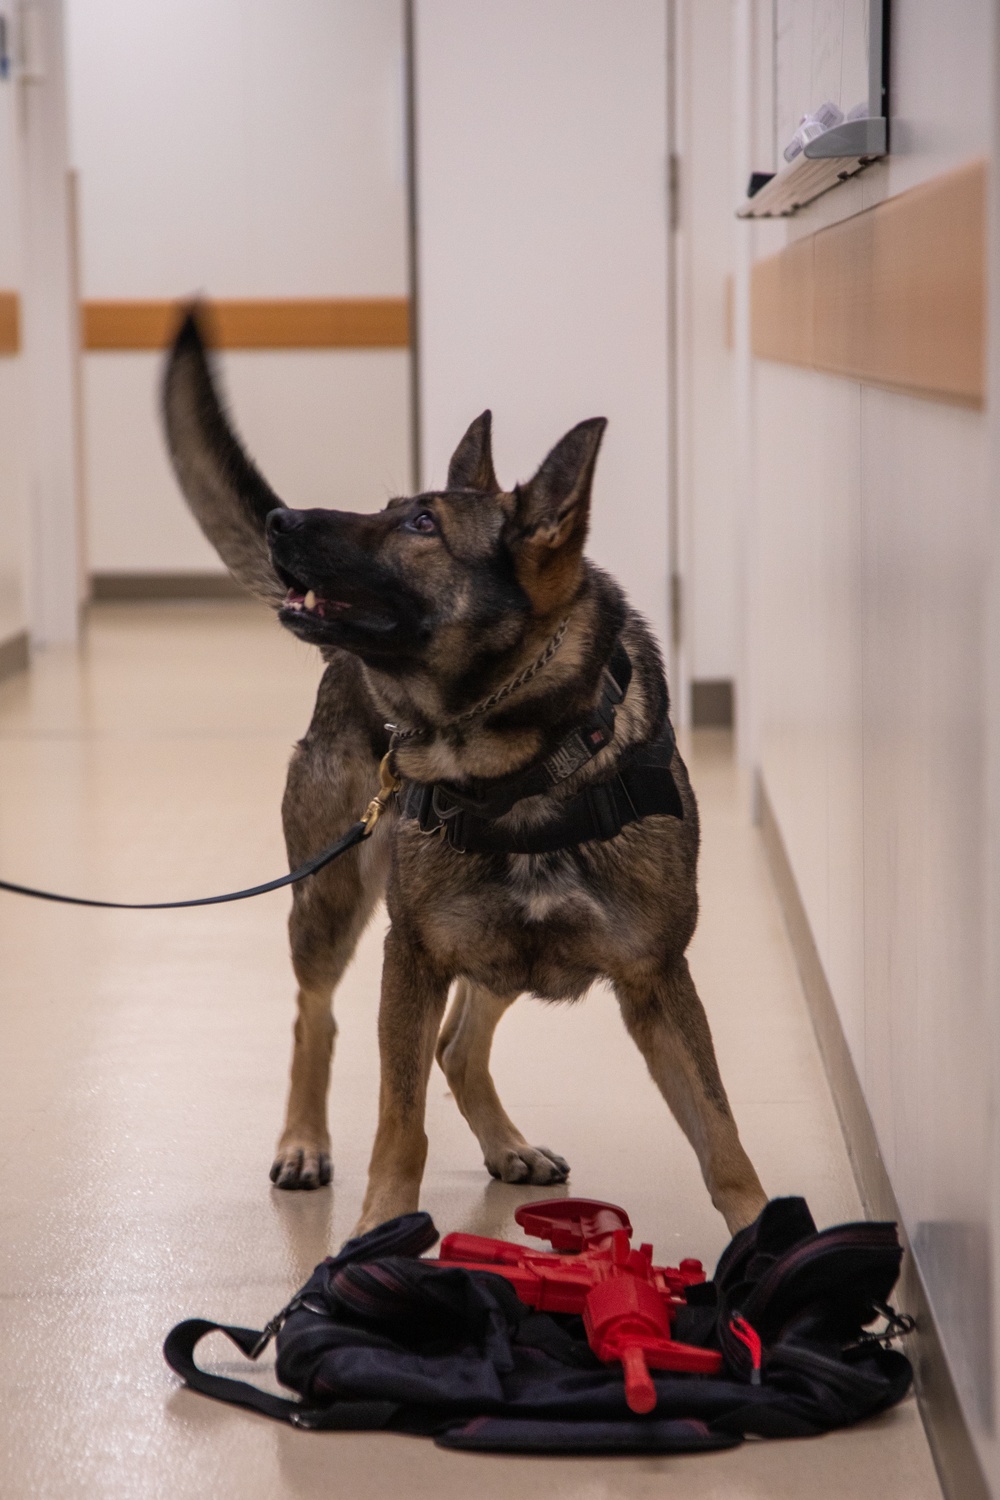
[550,928]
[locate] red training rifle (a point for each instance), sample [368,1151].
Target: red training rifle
[627,1304]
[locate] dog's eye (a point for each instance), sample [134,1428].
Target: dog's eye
[424,523]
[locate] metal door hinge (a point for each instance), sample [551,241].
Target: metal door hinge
[674,190]
[676,612]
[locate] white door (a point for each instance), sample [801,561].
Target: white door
[542,224]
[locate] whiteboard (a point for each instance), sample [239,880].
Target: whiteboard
[822,51]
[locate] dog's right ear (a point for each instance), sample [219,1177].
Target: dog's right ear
[471,466]
[229,498]
[551,514]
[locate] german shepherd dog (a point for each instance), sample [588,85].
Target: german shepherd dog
[465,629]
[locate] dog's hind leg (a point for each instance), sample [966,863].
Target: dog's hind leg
[463,1050]
[667,1021]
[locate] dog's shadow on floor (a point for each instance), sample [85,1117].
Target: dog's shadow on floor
[492,1214]
[306,1221]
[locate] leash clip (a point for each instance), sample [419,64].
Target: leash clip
[390,785]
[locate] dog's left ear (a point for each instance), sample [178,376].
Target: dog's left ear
[552,515]
[471,466]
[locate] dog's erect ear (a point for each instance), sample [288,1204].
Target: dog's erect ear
[551,517]
[471,466]
[229,498]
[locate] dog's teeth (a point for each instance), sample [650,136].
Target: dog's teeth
[310,600]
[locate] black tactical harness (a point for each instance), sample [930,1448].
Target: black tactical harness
[642,785]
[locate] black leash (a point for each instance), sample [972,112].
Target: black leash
[355,835]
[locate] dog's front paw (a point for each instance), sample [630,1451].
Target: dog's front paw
[527,1164]
[301,1164]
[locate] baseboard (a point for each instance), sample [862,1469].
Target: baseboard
[14,654]
[712,704]
[106,587]
[947,1432]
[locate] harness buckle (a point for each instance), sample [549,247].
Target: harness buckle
[603,811]
[452,817]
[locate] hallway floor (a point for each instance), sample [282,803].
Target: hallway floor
[142,1076]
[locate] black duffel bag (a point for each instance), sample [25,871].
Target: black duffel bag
[380,1339]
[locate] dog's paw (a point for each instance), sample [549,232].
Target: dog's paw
[527,1164]
[301,1165]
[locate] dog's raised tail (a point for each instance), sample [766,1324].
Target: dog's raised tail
[229,498]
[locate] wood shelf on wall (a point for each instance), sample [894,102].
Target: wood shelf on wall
[830,159]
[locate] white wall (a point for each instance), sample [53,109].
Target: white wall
[542,242]
[247,148]
[328,428]
[873,590]
[13,456]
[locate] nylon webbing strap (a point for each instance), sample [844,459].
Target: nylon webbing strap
[347,1416]
[642,787]
[354,835]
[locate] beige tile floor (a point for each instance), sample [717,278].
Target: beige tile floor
[143,1060]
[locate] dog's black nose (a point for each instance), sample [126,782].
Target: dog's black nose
[284,520]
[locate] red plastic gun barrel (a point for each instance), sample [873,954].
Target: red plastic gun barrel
[640,1392]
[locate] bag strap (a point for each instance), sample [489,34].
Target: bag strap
[347,1416]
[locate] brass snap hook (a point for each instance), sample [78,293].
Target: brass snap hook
[390,785]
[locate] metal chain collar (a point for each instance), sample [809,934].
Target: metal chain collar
[401,736]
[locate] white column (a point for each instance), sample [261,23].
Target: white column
[50,332]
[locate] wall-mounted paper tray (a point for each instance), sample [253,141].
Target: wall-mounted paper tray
[831,158]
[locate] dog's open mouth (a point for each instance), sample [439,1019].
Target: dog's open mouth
[321,617]
[303,600]
[309,603]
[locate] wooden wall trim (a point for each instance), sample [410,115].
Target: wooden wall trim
[15,654]
[782,312]
[895,296]
[116,587]
[10,323]
[288,323]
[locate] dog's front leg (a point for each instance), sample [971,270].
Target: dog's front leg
[413,1001]
[667,1021]
[329,911]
